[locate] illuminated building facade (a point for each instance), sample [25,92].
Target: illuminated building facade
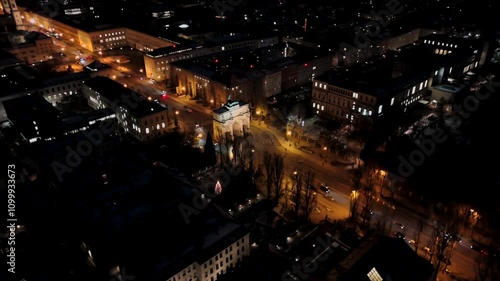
[232,118]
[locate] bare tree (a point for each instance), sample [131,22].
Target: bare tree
[220,138]
[369,194]
[269,170]
[309,196]
[297,193]
[237,151]
[278,174]
[354,197]
[487,267]
[450,221]
[422,220]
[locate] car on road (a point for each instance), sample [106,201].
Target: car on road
[324,187]
[188,109]
[399,235]
[412,242]
[317,210]
[398,224]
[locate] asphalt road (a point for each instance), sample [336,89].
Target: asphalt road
[267,139]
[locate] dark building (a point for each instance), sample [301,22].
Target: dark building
[384,258]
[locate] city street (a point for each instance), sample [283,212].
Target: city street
[189,114]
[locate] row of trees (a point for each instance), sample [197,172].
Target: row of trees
[295,189]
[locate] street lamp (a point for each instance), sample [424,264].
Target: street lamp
[326,151]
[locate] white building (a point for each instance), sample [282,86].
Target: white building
[232,118]
[56,88]
[144,119]
[211,264]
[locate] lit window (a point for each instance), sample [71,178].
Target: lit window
[380,109]
[413,90]
[163,124]
[324,86]
[157,126]
[314,104]
[373,275]
[322,107]
[355,95]
[315,84]
[451,69]
[436,73]
[370,113]
[425,85]
[147,130]
[392,101]
[421,86]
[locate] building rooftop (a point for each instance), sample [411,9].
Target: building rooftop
[236,67]
[376,77]
[450,87]
[229,106]
[115,91]
[175,49]
[33,116]
[390,258]
[17,79]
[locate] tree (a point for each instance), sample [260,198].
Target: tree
[278,173]
[450,220]
[220,138]
[237,147]
[422,221]
[209,150]
[309,196]
[297,193]
[487,267]
[354,197]
[369,194]
[268,169]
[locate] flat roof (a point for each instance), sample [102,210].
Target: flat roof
[449,87]
[33,110]
[113,90]
[235,67]
[229,106]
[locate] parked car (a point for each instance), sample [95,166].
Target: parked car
[399,235]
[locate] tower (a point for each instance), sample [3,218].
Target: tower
[10,8]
